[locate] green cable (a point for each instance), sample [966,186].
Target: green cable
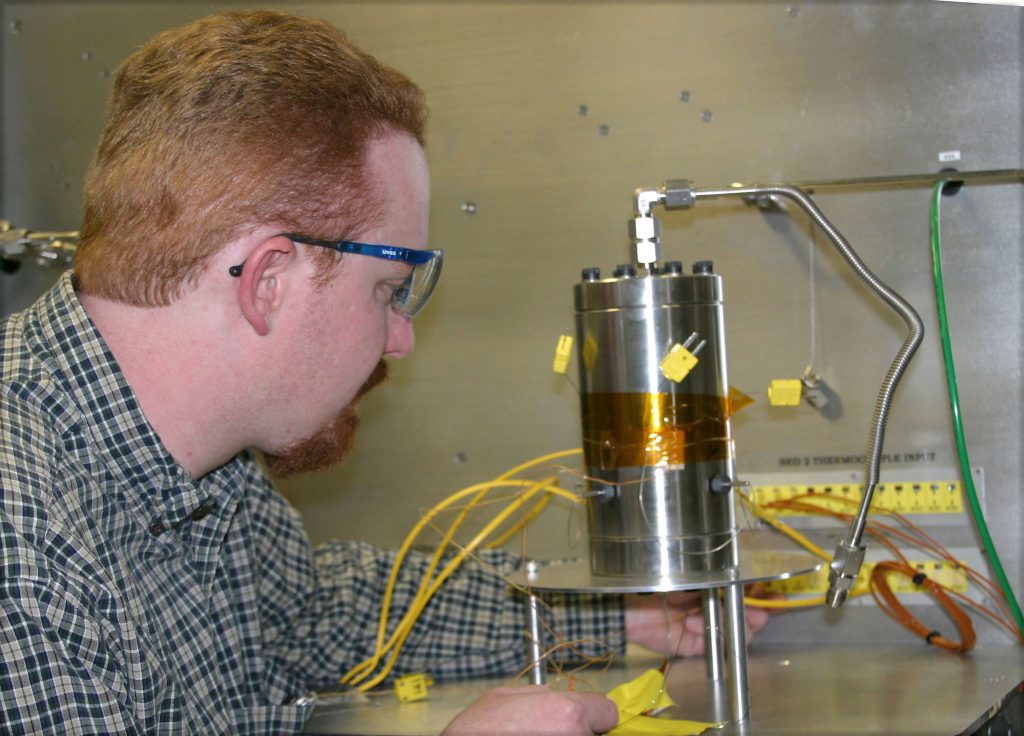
[958,428]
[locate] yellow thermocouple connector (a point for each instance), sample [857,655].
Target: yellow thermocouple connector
[677,363]
[410,688]
[785,392]
[563,353]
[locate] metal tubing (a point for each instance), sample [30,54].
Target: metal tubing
[988,176]
[890,297]
[849,551]
[736,645]
[538,673]
[714,653]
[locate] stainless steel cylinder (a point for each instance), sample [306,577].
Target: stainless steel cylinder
[658,452]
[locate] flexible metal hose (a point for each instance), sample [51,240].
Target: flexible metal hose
[903,357]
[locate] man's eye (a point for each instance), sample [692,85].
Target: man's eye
[393,290]
[397,289]
[399,293]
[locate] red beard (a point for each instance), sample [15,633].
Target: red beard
[331,444]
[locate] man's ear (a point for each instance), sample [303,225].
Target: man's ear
[261,290]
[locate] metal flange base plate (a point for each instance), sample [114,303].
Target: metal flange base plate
[764,555]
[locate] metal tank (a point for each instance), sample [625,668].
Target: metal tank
[658,451]
[656,410]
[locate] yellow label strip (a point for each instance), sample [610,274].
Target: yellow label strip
[916,497]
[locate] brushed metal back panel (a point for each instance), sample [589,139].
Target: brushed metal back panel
[545,117]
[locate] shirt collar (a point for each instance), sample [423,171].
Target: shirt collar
[111,413]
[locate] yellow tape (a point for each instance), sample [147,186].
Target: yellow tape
[643,694]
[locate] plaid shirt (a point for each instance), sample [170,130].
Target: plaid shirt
[137,599]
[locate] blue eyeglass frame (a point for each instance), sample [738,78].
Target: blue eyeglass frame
[412,256]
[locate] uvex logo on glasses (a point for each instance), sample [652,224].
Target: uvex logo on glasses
[412,295]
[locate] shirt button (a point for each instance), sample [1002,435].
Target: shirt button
[157,528]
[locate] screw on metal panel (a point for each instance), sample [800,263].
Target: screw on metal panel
[793,10]
[706,116]
[15,25]
[582,110]
[460,458]
[86,56]
[469,208]
[603,129]
[105,73]
[684,96]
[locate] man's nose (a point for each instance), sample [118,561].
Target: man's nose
[401,339]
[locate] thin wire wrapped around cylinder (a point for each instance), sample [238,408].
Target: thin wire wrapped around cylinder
[652,446]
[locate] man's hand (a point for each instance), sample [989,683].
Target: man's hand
[645,622]
[534,709]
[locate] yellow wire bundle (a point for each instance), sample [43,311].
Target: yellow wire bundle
[369,673]
[375,669]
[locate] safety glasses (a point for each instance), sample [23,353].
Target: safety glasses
[412,295]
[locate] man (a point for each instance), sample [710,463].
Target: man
[253,246]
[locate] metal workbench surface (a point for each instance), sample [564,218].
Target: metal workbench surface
[821,690]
